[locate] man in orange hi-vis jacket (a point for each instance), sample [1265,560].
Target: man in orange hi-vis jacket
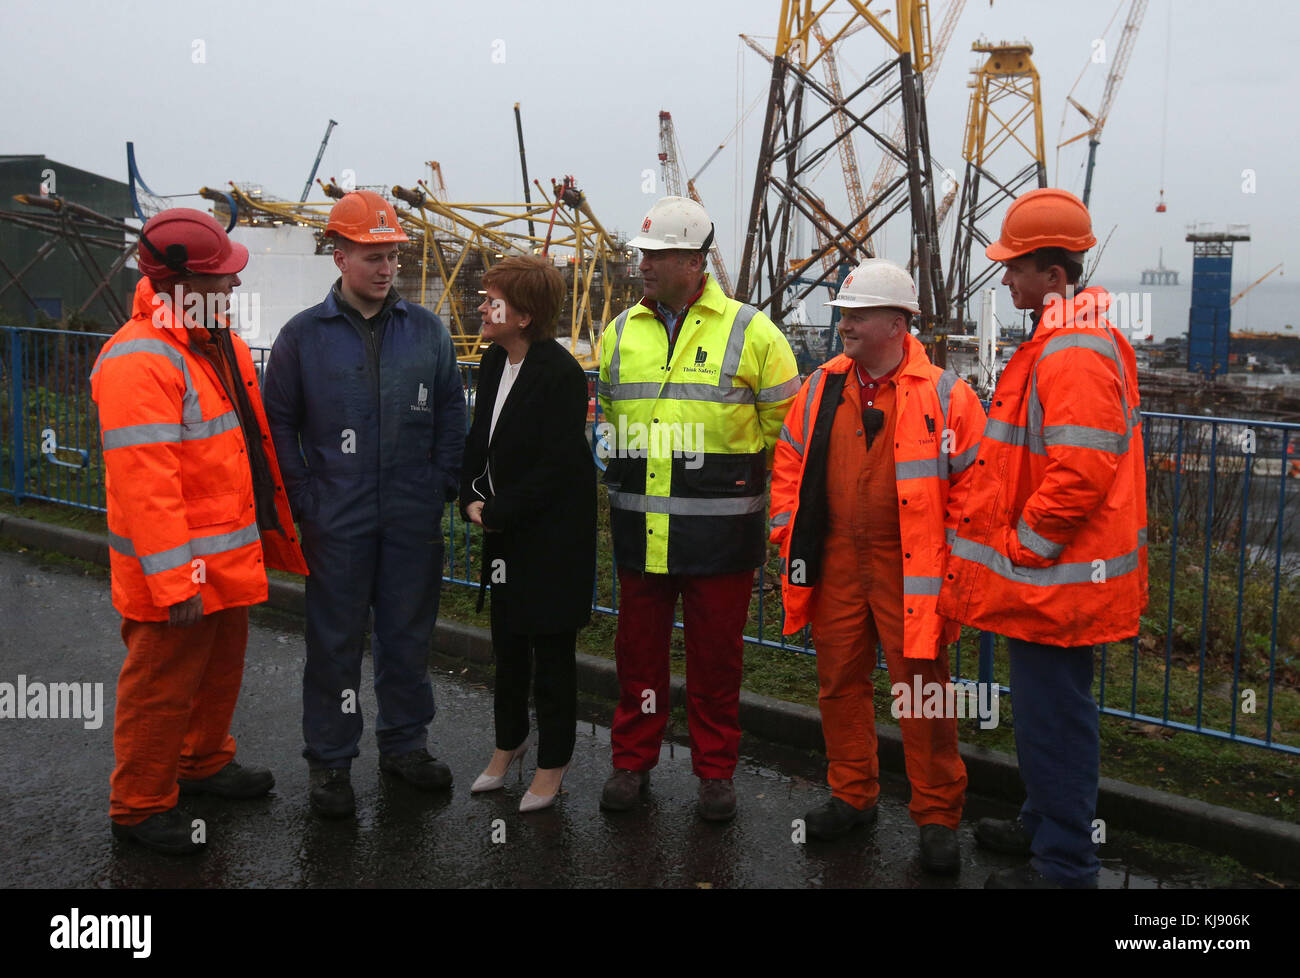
[196,514]
[870,469]
[1051,548]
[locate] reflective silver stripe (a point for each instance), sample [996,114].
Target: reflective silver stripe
[602,388]
[786,437]
[685,506]
[949,536]
[947,381]
[631,392]
[962,462]
[781,391]
[1004,431]
[121,544]
[1040,545]
[706,392]
[152,434]
[918,469]
[141,434]
[813,381]
[199,546]
[619,322]
[1078,573]
[190,402]
[735,344]
[921,585]
[1079,436]
[781,519]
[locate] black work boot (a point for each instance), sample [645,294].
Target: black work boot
[1003,835]
[836,818]
[169,832]
[623,789]
[939,850]
[232,781]
[716,801]
[417,768]
[331,793]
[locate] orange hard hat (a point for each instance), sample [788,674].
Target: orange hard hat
[365,217]
[1044,218]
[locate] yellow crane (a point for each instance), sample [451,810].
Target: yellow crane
[670,159]
[1233,300]
[1118,64]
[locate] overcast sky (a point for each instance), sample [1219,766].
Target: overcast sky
[410,81]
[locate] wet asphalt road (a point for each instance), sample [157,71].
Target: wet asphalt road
[59,626]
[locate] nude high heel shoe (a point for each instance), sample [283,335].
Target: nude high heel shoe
[535,803]
[492,782]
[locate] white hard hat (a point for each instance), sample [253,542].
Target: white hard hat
[675,222]
[877,283]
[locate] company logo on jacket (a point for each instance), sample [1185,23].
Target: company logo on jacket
[421,399]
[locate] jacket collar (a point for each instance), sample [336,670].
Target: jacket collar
[152,308]
[915,363]
[1086,309]
[336,305]
[711,297]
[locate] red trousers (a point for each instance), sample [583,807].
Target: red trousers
[714,609]
[860,602]
[175,698]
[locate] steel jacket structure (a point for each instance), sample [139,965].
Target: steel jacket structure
[936,439]
[181,516]
[1051,546]
[693,433]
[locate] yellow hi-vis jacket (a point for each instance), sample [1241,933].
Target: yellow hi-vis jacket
[689,435]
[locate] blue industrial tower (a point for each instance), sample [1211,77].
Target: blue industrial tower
[1208,325]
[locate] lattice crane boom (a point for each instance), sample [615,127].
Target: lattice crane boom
[670,159]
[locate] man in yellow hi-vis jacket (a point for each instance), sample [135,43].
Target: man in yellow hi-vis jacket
[694,386]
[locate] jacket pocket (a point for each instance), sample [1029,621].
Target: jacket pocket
[218,508]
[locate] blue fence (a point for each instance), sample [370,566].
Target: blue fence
[1214,655]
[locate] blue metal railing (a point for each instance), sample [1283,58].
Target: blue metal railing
[1222,514]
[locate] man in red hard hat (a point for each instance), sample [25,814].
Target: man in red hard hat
[367,410]
[196,513]
[1051,547]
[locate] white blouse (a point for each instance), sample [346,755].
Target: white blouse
[508,374]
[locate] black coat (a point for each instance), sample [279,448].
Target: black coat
[543,495]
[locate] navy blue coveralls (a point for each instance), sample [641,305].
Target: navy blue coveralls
[368,420]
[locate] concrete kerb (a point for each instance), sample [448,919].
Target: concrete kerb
[1251,839]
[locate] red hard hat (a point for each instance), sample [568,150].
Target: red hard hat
[182,240]
[365,217]
[1044,218]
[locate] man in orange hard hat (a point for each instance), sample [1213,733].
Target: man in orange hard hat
[196,513]
[368,413]
[871,466]
[1051,548]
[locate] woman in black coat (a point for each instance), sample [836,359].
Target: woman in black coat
[530,482]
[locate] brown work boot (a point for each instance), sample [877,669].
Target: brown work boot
[623,789]
[717,800]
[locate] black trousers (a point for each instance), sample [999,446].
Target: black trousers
[555,687]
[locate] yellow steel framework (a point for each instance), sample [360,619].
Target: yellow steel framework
[1004,151]
[454,243]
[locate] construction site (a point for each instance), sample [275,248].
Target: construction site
[839,166]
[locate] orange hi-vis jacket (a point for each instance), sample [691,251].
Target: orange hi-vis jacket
[1052,544]
[936,438]
[181,516]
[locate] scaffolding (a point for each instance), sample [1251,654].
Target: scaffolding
[451,245]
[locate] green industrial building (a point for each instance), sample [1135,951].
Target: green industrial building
[57,286]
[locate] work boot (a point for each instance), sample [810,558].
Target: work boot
[169,832]
[418,768]
[232,781]
[623,789]
[1023,878]
[939,850]
[717,800]
[331,792]
[1003,835]
[836,818]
